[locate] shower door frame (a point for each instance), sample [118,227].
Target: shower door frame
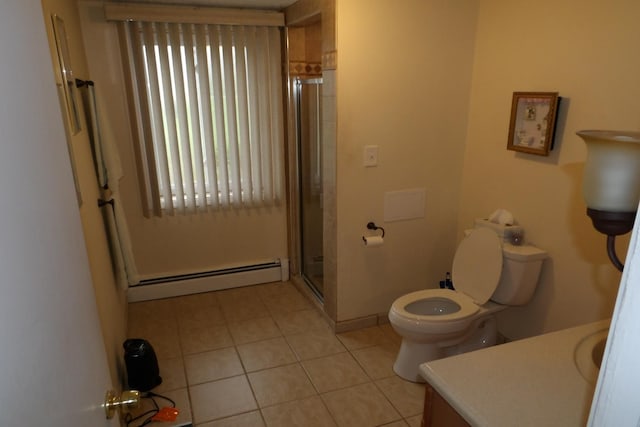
[296,202]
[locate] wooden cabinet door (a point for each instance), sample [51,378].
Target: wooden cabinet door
[438,413]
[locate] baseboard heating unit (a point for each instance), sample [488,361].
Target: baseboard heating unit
[206,281]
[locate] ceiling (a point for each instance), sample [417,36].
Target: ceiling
[244,4]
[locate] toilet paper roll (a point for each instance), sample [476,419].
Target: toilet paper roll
[373,241]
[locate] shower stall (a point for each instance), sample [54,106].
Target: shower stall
[308,119]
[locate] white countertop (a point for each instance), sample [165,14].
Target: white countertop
[531,382]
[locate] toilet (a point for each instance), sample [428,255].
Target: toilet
[488,275]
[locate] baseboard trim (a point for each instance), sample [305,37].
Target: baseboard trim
[215,282]
[353,324]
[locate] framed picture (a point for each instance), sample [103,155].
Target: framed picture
[533,122]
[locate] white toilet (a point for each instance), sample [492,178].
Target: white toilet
[488,275]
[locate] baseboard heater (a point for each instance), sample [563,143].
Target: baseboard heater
[206,281]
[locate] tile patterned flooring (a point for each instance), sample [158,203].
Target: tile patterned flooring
[263,356]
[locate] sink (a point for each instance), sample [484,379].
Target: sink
[588,354]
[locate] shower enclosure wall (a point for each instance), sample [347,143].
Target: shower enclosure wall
[308,118]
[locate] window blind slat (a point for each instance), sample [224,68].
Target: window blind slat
[175,120]
[231,117]
[170,116]
[262,52]
[208,171]
[194,121]
[153,94]
[133,43]
[244,153]
[277,124]
[216,76]
[254,114]
[189,129]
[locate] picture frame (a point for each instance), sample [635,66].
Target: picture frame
[533,122]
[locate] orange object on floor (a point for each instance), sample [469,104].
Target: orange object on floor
[166,414]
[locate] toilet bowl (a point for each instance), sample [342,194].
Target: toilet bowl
[488,276]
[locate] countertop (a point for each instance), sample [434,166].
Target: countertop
[530,382]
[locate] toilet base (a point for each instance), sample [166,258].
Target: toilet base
[411,355]
[485,335]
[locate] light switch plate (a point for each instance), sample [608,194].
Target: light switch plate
[370,156]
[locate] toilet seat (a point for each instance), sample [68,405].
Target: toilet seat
[432,325]
[467,306]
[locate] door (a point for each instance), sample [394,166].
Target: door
[52,360]
[308,113]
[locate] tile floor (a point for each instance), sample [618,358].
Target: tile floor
[263,356]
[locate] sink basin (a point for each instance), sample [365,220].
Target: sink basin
[588,354]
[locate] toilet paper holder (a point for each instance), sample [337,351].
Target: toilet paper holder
[373,226]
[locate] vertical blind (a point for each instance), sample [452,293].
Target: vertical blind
[209,106]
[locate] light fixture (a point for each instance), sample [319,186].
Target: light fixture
[611,186]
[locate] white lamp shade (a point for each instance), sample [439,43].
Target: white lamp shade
[612,172]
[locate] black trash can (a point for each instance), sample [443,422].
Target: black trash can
[143,373]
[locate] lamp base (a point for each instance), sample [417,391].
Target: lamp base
[612,223]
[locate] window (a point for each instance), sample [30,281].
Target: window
[209,115]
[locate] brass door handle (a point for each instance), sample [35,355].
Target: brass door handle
[129,399]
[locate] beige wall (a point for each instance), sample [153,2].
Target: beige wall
[403,81]
[587,51]
[111,301]
[408,73]
[181,244]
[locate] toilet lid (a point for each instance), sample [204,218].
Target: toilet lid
[477,265]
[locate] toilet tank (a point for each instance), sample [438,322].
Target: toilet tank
[521,267]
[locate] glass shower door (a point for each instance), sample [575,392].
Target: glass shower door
[308,97]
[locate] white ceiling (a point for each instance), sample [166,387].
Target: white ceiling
[249,4]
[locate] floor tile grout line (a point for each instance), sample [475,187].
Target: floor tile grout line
[318,395]
[184,372]
[315,357]
[226,417]
[253,394]
[388,400]
[324,403]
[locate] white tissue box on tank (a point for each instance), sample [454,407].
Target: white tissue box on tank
[502,230]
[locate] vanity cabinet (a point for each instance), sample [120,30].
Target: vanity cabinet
[438,413]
